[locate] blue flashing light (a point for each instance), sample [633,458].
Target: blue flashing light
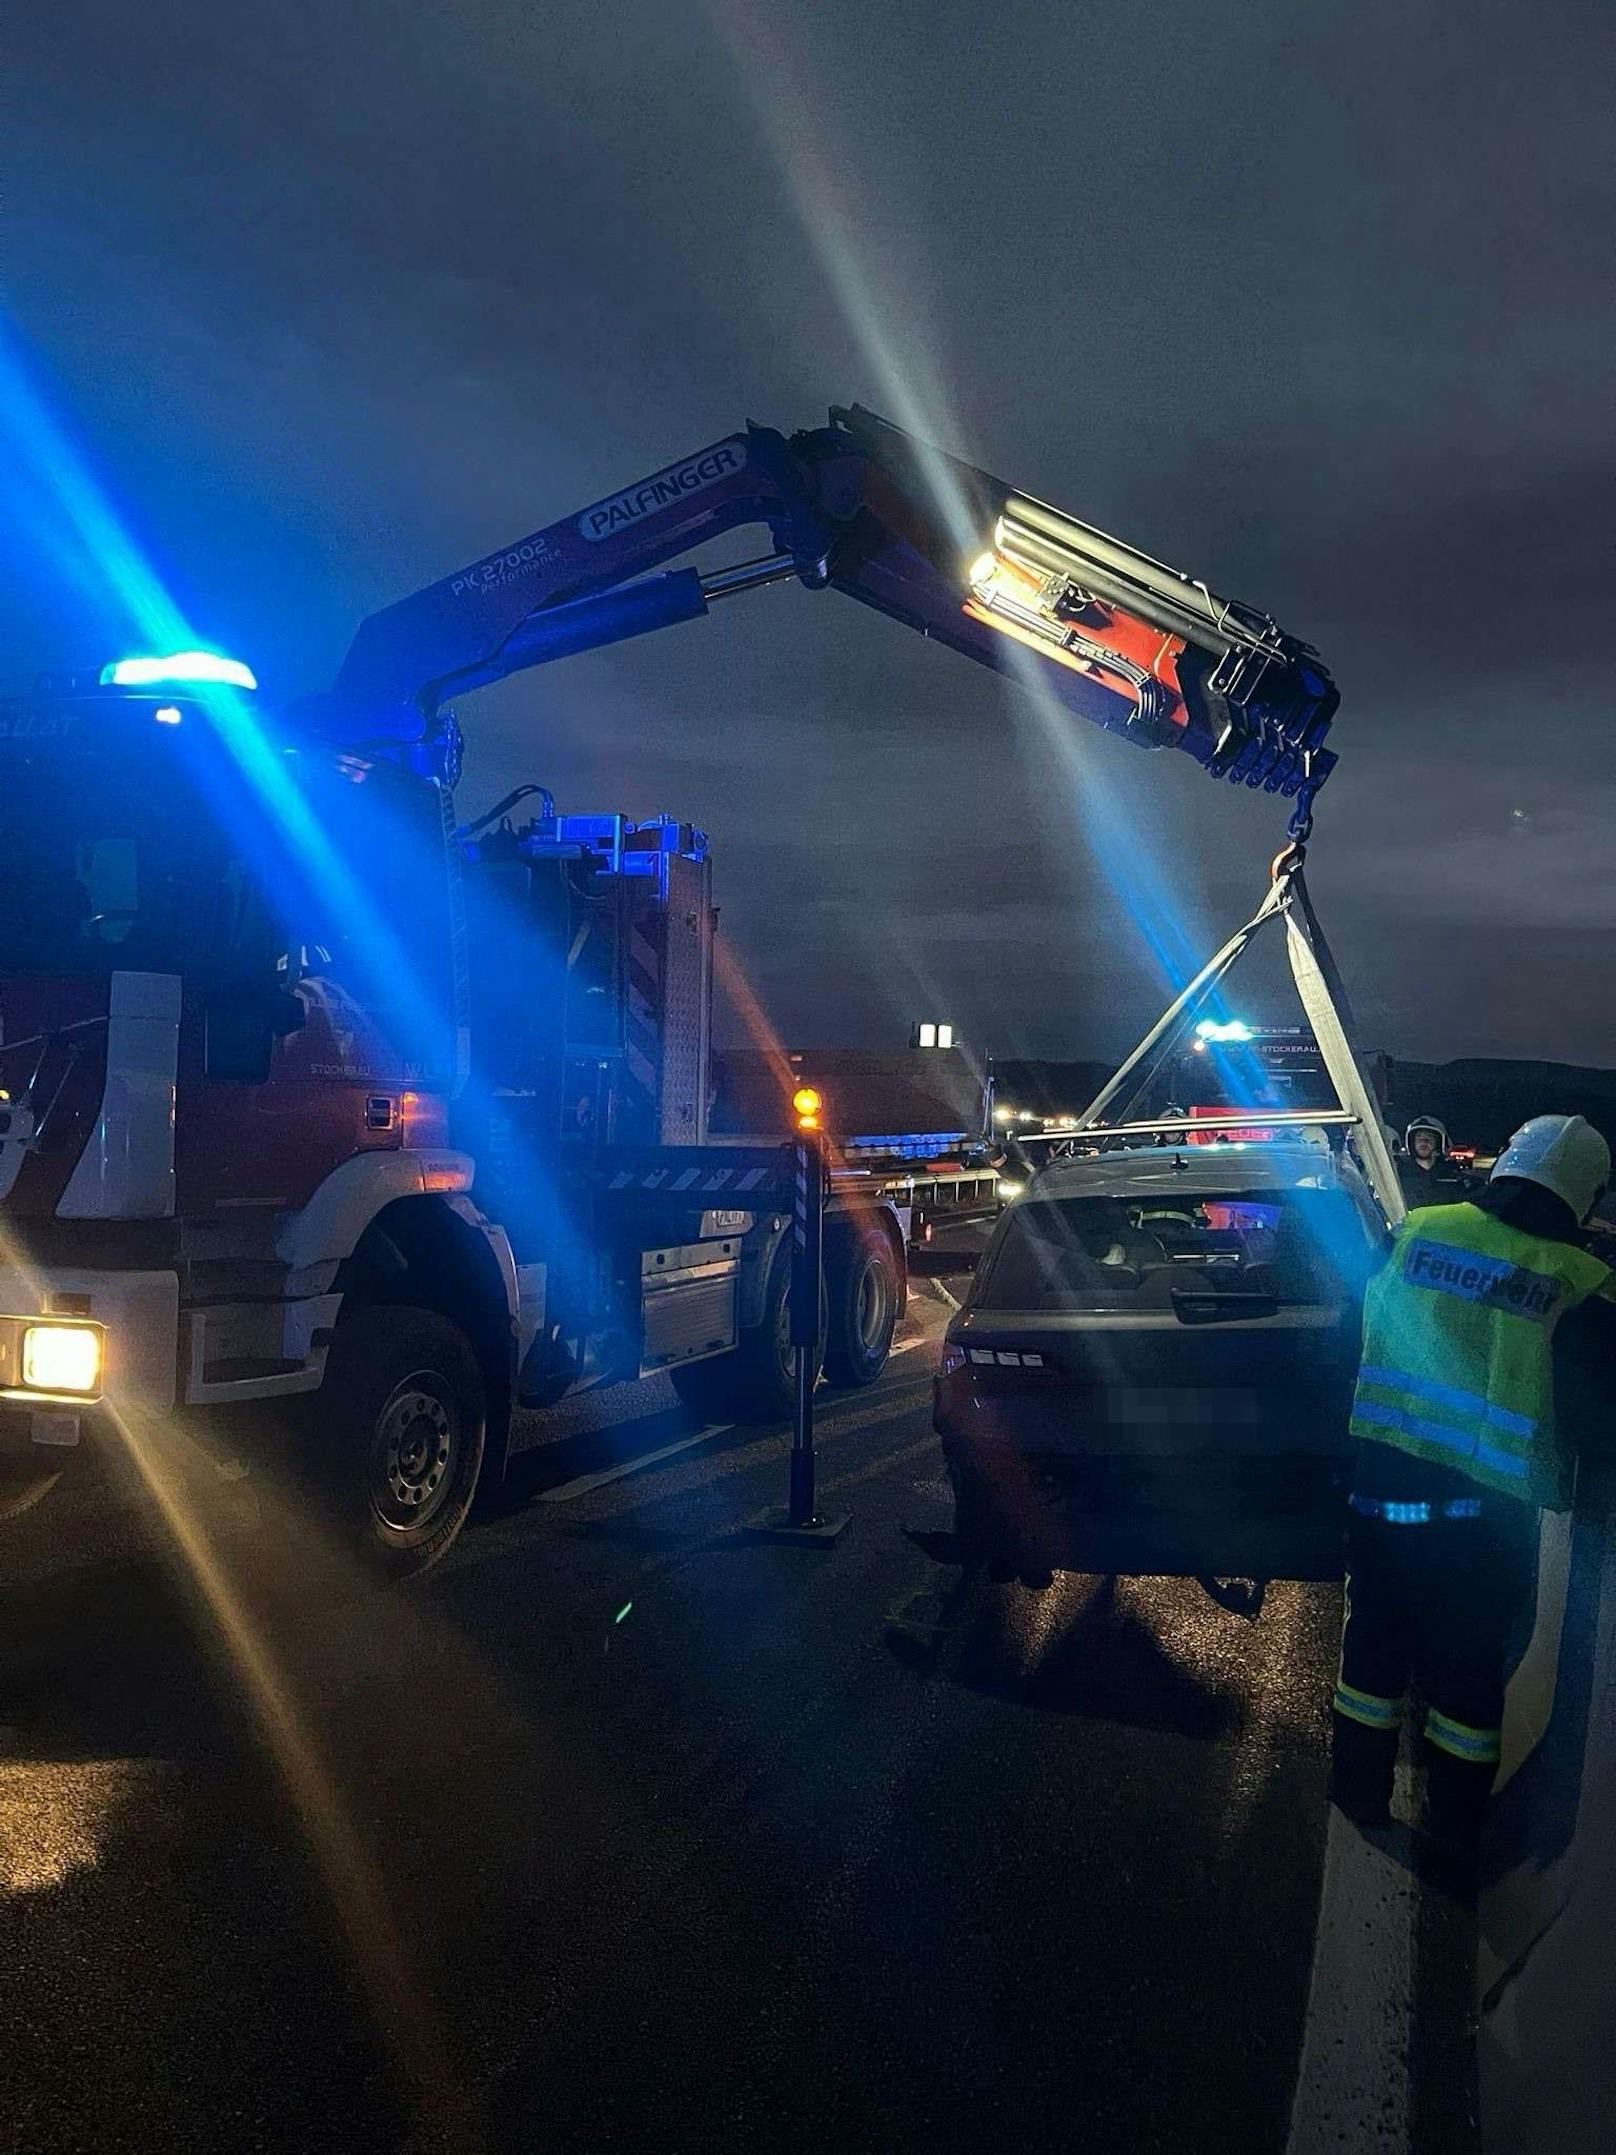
[1212,1029]
[169,714]
[178,668]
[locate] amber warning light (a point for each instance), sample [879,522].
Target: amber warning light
[806,1105]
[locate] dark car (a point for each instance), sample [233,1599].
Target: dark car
[1153,1370]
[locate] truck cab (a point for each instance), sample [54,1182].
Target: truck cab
[228,1038]
[330,1125]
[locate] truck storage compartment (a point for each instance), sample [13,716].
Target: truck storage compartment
[688,1302]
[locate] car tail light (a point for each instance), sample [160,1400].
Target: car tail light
[959,1355]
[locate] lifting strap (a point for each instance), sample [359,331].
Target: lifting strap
[1324,1002]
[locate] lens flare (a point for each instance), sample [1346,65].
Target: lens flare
[790,121]
[72,522]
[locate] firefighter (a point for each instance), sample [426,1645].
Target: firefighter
[1471,1329]
[1428,1175]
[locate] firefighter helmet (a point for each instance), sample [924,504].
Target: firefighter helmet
[1564,1154]
[1427,1122]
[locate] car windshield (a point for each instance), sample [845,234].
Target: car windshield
[1301,1246]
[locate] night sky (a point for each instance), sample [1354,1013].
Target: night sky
[1314,302]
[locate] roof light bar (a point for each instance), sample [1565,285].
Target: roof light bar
[178,668]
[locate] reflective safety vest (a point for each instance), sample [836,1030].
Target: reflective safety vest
[1458,1354]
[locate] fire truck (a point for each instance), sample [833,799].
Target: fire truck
[1228,1064]
[331,1121]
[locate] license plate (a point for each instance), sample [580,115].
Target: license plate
[61,1430]
[1183,1405]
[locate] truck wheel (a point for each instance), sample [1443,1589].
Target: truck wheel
[398,1436]
[757,1382]
[863,1311]
[707,1388]
[22,1485]
[766,1361]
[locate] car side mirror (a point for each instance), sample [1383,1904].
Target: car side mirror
[243,1025]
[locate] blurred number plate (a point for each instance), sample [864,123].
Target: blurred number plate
[1182,1403]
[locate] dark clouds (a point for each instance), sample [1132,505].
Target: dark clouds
[1308,300]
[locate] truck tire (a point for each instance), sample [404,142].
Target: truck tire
[757,1382]
[707,1388]
[861,1309]
[397,1443]
[22,1485]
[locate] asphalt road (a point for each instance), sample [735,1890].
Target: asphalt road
[628,1830]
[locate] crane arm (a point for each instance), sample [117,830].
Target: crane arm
[864,508]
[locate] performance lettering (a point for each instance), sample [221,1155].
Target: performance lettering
[501,568]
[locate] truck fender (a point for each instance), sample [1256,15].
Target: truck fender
[499,1248]
[327,1229]
[758,1246]
[439,1252]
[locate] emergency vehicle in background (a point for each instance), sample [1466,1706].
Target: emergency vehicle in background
[331,1121]
[1228,1064]
[912,1124]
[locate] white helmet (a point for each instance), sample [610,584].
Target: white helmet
[1439,1130]
[1563,1154]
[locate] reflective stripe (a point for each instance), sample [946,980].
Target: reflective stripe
[1480,1746]
[1488,1455]
[1451,1395]
[1365,1707]
[1456,1441]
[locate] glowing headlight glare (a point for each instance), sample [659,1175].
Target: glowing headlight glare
[61,1358]
[1010,1189]
[981,569]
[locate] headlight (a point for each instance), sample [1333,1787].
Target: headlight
[1010,1188]
[62,1358]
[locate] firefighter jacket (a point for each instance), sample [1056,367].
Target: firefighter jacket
[1458,1355]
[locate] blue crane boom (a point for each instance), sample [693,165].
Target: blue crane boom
[861,507]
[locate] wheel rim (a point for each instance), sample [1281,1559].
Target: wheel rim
[414,1454]
[874,1302]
